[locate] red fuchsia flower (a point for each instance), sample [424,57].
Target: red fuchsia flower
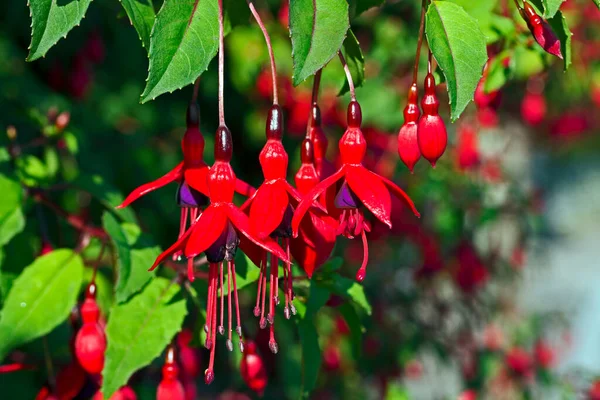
[191,175]
[320,144]
[432,134]
[90,342]
[544,355]
[218,232]
[471,273]
[252,369]
[519,362]
[485,99]
[359,187]
[170,388]
[188,356]
[270,214]
[533,108]
[467,147]
[541,30]
[69,381]
[408,143]
[316,238]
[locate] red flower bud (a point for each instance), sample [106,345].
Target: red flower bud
[408,143]
[253,369]
[90,342]
[170,388]
[541,30]
[432,135]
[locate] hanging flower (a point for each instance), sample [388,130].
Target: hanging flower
[252,369]
[359,187]
[170,388]
[218,232]
[90,342]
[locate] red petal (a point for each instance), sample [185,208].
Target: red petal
[296,196]
[268,208]
[308,200]
[177,246]
[371,191]
[315,242]
[207,230]
[546,38]
[401,194]
[197,178]
[173,175]
[242,224]
[244,188]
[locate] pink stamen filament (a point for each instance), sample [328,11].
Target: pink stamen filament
[221,326]
[237,307]
[229,342]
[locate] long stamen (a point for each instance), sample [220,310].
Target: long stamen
[272,342]
[229,342]
[260,279]
[263,320]
[273,278]
[276,294]
[182,227]
[237,308]
[286,309]
[190,269]
[209,374]
[207,326]
[290,278]
[194,215]
[221,294]
[360,275]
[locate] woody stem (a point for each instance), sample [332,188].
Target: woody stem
[348,76]
[269,48]
[419,42]
[221,67]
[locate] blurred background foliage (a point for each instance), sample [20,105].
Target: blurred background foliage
[439,316]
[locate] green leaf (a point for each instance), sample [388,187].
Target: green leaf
[138,331]
[551,7]
[184,40]
[52,20]
[141,14]
[560,28]
[309,339]
[355,60]
[318,29]
[396,392]
[350,290]
[459,48]
[40,299]
[357,329]
[597,2]
[11,216]
[498,73]
[134,256]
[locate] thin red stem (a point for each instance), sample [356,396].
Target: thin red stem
[221,66]
[315,98]
[269,48]
[348,76]
[419,42]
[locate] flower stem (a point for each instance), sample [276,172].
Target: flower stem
[419,42]
[221,66]
[348,76]
[315,97]
[195,92]
[269,48]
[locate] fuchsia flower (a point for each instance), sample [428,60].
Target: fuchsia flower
[191,174]
[218,232]
[270,214]
[316,238]
[541,30]
[359,187]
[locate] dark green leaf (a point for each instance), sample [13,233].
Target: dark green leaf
[364,5]
[551,7]
[52,20]
[138,331]
[355,60]
[357,329]
[133,257]
[498,73]
[311,351]
[141,14]
[40,298]
[107,194]
[560,28]
[597,2]
[184,40]
[350,290]
[318,29]
[459,48]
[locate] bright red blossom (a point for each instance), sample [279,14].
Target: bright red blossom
[359,187]
[432,134]
[408,143]
[170,388]
[90,342]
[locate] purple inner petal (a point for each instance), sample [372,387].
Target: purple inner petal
[190,197]
[225,247]
[345,198]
